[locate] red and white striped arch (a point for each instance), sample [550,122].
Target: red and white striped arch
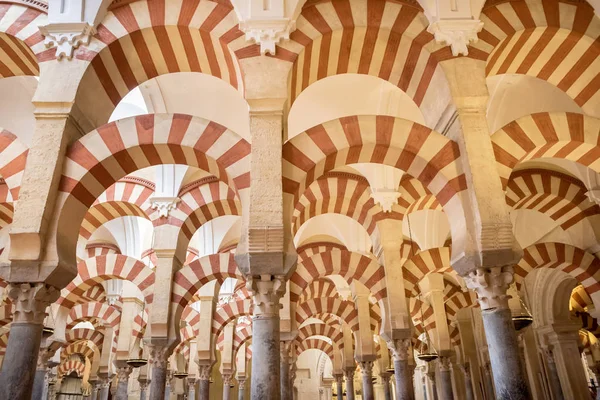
[567,136]
[241,336]
[316,344]
[344,309]
[334,333]
[406,145]
[107,315]
[386,39]
[104,212]
[580,300]
[84,334]
[70,366]
[94,271]
[414,196]
[13,155]
[80,347]
[319,288]
[145,39]
[138,328]
[21,43]
[310,249]
[6,214]
[6,314]
[349,265]
[581,265]
[559,196]
[423,263]
[199,205]
[102,157]
[555,41]
[337,193]
[228,312]
[189,279]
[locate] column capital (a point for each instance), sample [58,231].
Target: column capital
[159,355]
[465,368]
[204,371]
[31,301]
[491,286]
[349,373]
[366,367]
[123,372]
[385,376]
[339,378]
[399,348]
[444,364]
[227,379]
[284,349]
[266,291]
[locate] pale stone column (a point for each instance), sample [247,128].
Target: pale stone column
[96,390]
[339,383]
[491,285]
[265,378]
[366,368]
[104,388]
[40,383]
[553,378]
[385,378]
[432,394]
[349,374]
[284,373]
[123,372]
[144,389]
[466,371]
[204,381]
[30,302]
[399,349]
[167,395]
[159,357]
[191,384]
[445,379]
[226,386]
[241,388]
[563,340]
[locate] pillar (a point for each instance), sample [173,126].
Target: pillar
[104,388]
[433,395]
[366,368]
[159,357]
[167,395]
[563,340]
[553,378]
[445,379]
[96,390]
[385,378]
[204,381]
[265,379]
[30,302]
[284,370]
[349,373]
[123,373]
[226,386]
[191,382]
[491,285]
[40,383]
[466,371]
[144,389]
[339,383]
[241,388]
[402,371]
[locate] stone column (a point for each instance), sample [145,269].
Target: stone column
[466,371]
[144,389]
[265,378]
[553,378]
[30,302]
[167,389]
[491,285]
[596,370]
[402,371]
[104,388]
[191,383]
[123,373]
[204,381]
[385,378]
[241,388]
[96,390]
[433,386]
[339,383]
[226,386]
[445,379]
[349,373]
[284,370]
[563,339]
[159,358]
[40,383]
[366,368]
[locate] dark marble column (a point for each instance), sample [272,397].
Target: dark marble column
[96,389]
[204,381]
[366,368]
[339,383]
[123,373]
[104,388]
[553,378]
[403,373]
[265,378]
[385,379]
[30,302]
[491,285]
[445,379]
[159,357]
[466,371]
[349,373]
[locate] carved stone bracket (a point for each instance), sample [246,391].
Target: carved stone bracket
[159,356]
[31,301]
[399,348]
[457,34]
[164,205]
[266,292]
[386,199]
[267,33]
[67,37]
[491,285]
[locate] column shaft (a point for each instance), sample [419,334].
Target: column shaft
[241,389]
[284,374]
[387,393]
[367,390]
[158,383]
[143,391]
[122,389]
[466,370]
[265,377]
[203,389]
[404,381]
[349,384]
[105,391]
[446,385]
[39,385]
[226,391]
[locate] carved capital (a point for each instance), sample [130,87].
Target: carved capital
[144,385]
[227,379]
[339,378]
[491,285]
[241,382]
[31,300]
[204,371]
[159,356]
[284,349]
[123,373]
[349,373]
[465,369]
[164,205]
[445,364]
[457,34]
[67,37]
[399,349]
[266,292]
[366,367]
[385,377]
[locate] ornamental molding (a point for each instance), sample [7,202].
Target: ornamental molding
[491,285]
[267,32]
[164,205]
[458,34]
[386,199]
[67,36]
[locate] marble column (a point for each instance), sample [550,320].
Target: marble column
[30,302]
[466,371]
[433,395]
[366,368]
[349,374]
[104,388]
[385,379]
[159,357]
[402,371]
[265,379]
[595,368]
[227,386]
[191,383]
[241,388]
[491,285]
[204,371]
[40,383]
[339,383]
[96,389]
[167,395]
[144,389]
[553,378]
[284,370]
[445,379]
[123,373]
